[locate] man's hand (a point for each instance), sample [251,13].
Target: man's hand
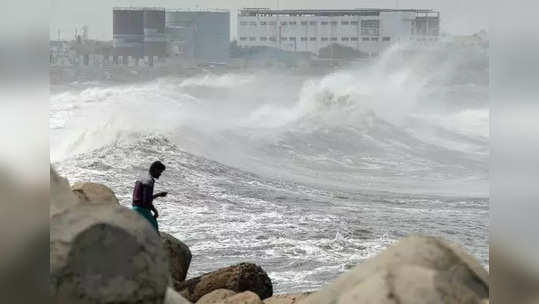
[160,194]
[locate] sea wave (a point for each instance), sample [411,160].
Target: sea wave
[364,125]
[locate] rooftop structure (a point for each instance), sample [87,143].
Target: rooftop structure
[329,12]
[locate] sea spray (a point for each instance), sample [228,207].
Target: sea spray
[379,125]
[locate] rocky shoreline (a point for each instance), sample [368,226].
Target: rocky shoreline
[102,252]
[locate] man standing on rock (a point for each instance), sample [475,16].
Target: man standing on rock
[143,194]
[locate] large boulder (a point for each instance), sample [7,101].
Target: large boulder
[61,196]
[179,256]
[94,193]
[415,270]
[238,278]
[215,296]
[409,284]
[291,298]
[246,297]
[172,297]
[105,254]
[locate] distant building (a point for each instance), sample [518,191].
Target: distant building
[80,52]
[152,33]
[477,39]
[366,30]
[202,35]
[138,33]
[60,53]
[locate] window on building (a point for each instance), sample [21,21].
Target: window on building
[365,39]
[374,38]
[284,23]
[313,39]
[345,39]
[253,23]
[324,38]
[370,27]
[303,38]
[284,38]
[333,22]
[263,22]
[324,23]
[292,23]
[273,23]
[426,25]
[312,23]
[333,38]
[386,38]
[243,23]
[272,38]
[263,38]
[243,38]
[292,38]
[345,22]
[354,22]
[303,22]
[354,39]
[252,38]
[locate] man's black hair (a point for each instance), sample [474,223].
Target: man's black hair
[157,165]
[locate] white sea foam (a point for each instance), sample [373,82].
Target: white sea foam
[227,81]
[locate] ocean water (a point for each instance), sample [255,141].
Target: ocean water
[305,175]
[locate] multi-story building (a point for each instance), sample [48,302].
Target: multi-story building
[138,33]
[150,33]
[365,30]
[201,34]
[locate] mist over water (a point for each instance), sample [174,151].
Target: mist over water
[305,174]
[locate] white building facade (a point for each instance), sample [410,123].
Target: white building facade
[365,30]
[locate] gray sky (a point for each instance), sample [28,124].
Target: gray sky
[457,16]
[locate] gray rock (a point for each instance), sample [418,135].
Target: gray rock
[238,278]
[247,297]
[179,256]
[93,193]
[409,285]
[61,196]
[435,267]
[216,296]
[105,254]
[291,298]
[172,297]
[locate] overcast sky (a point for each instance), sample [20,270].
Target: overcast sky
[457,16]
